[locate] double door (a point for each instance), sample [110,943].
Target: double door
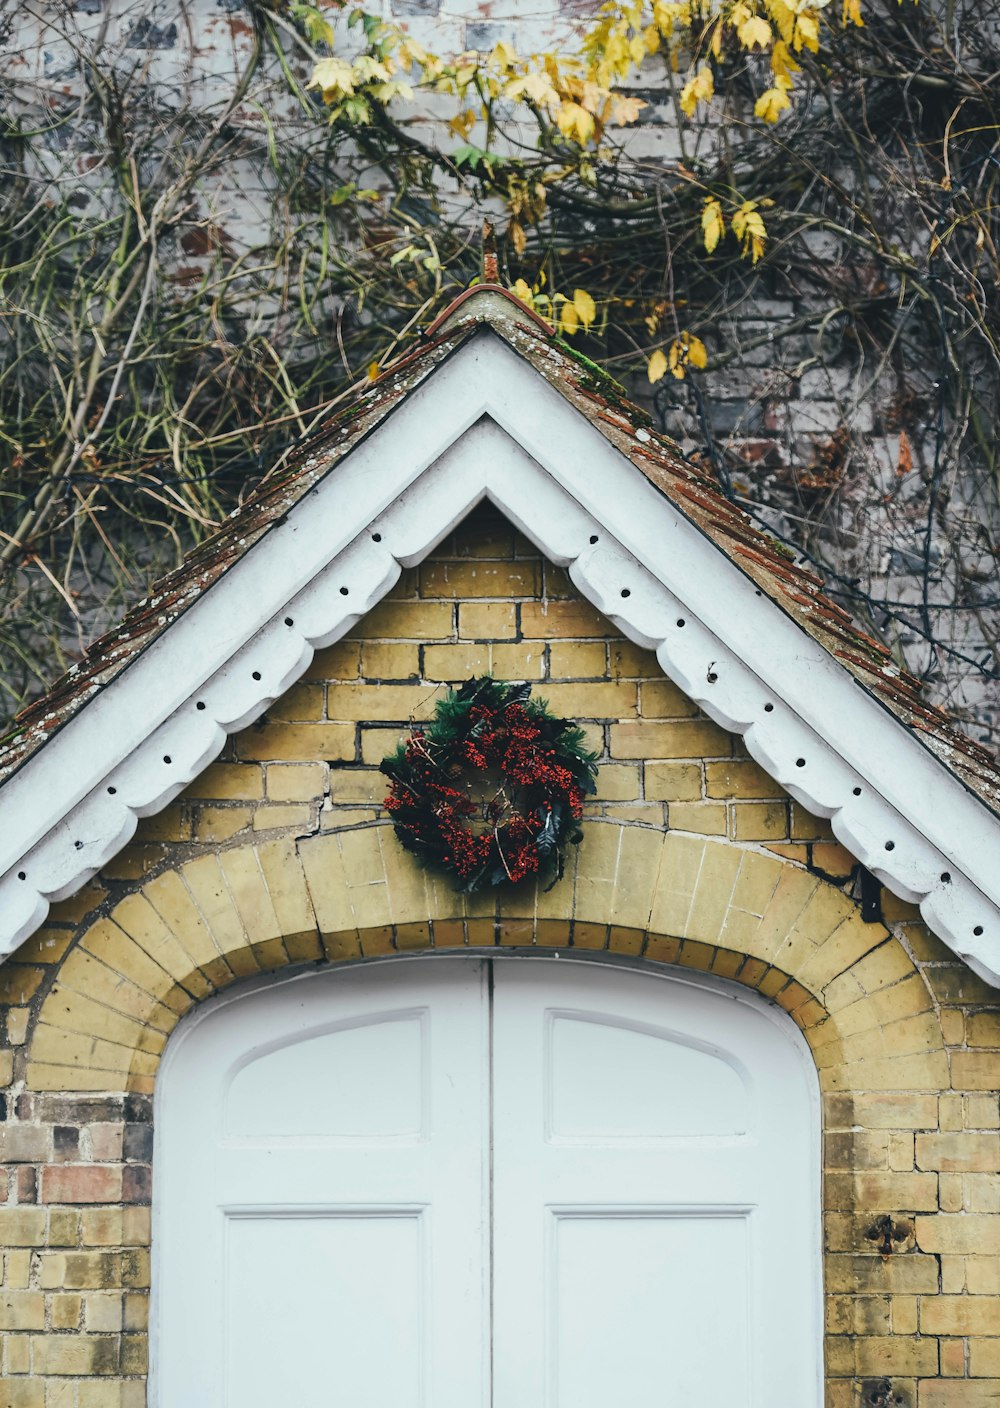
[462,1183]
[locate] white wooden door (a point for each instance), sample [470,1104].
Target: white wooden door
[461,1183]
[322,1234]
[656,1205]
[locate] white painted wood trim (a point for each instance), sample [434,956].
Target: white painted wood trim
[486,424]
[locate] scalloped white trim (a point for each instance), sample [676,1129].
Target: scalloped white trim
[485,424]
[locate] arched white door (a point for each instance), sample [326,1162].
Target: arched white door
[465,1183]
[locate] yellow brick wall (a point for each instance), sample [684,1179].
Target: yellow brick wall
[281,854]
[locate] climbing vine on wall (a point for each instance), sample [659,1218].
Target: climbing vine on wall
[196,262]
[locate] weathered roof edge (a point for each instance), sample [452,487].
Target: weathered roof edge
[603,404]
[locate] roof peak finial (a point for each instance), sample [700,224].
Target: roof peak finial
[491,265]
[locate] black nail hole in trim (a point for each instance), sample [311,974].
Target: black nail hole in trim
[946,877]
[200,704]
[289,621]
[800,762]
[768,708]
[711,677]
[682,622]
[166,757]
[78,845]
[626,591]
[256,674]
[112,791]
[890,845]
[857,791]
[593,537]
[376,537]
[343,591]
[978,930]
[21,875]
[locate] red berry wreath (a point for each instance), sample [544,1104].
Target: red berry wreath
[492,791]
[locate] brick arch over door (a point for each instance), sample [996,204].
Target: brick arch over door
[130,974]
[668,898]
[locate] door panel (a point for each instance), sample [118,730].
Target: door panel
[323,1156]
[465,1183]
[632,1238]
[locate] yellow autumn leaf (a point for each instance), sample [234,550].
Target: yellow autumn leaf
[713,226]
[782,64]
[852,13]
[574,121]
[698,89]
[334,78]
[586,308]
[625,110]
[696,352]
[519,239]
[569,321]
[755,31]
[373,371]
[750,230]
[771,104]
[806,34]
[656,368]
[523,292]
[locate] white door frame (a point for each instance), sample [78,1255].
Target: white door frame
[808,1237]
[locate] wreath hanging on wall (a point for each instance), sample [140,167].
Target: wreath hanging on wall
[492,791]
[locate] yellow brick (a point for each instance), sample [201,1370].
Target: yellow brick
[22,1310]
[661,699]
[251,898]
[806,827]
[228,782]
[895,1355]
[523,661]
[703,818]
[960,1234]
[137,917]
[493,620]
[392,661]
[303,702]
[221,823]
[573,660]
[668,740]
[739,778]
[78,906]
[104,940]
[66,1312]
[172,824]
[408,620]
[378,703]
[461,580]
[289,817]
[76,1013]
[337,662]
[974,1070]
[290,743]
[46,945]
[172,900]
[959,1393]
[959,1315]
[354,785]
[617,783]
[982,1275]
[984,1029]
[759,821]
[298,782]
[959,1152]
[22,1393]
[541,620]
[628,661]
[207,885]
[607,700]
[289,896]
[673,782]
[19,982]
[323,865]
[450,662]
[984,1357]
[80,1355]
